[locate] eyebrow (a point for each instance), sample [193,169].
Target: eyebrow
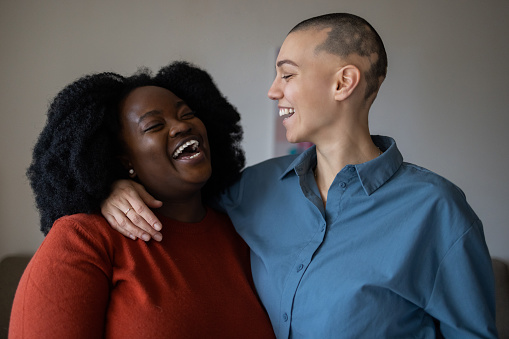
[155,112]
[148,115]
[286,61]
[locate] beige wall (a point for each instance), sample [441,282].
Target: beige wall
[445,100]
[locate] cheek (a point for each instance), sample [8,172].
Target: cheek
[291,93]
[148,155]
[317,96]
[304,100]
[155,173]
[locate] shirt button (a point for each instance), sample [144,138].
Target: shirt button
[300,268]
[342,184]
[352,169]
[285,317]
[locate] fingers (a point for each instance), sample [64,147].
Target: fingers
[126,212]
[116,226]
[135,221]
[141,209]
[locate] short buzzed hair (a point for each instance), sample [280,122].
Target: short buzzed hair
[349,35]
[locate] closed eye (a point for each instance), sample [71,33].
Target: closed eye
[189,115]
[153,127]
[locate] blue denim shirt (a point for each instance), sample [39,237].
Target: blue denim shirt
[396,246]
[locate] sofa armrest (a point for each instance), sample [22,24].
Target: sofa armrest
[11,269]
[501,271]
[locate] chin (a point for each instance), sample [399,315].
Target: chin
[292,139]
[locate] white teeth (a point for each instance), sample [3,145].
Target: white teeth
[285,111]
[193,143]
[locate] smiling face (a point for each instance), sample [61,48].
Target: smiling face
[165,143]
[305,85]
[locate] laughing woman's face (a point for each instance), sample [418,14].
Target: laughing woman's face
[165,143]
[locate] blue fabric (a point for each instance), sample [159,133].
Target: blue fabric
[396,246]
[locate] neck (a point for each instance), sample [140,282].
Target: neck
[185,210]
[352,148]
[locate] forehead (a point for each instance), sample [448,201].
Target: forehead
[302,44]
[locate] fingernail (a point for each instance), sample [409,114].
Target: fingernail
[132,237]
[158,237]
[145,237]
[158,226]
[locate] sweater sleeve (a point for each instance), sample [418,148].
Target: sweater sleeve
[64,291]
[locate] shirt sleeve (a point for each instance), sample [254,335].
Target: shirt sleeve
[463,297]
[64,291]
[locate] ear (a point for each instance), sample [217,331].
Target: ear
[347,79]
[124,160]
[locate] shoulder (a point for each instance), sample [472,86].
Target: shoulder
[429,191]
[274,166]
[74,240]
[84,228]
[422,178]
[82,219]
[258,182]
[262,176]
[89,223]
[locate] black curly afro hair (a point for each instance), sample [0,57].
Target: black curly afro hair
[75,160]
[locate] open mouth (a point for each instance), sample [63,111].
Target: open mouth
[286,112]
[187,151]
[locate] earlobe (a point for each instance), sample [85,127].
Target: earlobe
[348,78]
[131,171]
[128,166]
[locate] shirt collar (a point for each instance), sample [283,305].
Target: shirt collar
[372,174]
[304,163]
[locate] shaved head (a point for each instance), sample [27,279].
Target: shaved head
[350,35]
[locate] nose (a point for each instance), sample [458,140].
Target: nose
[179,127]
[275,92]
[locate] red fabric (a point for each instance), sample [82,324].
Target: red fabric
[88,281]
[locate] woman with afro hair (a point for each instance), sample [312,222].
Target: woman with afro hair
[175,134]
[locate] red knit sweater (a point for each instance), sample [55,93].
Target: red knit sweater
[88,281]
